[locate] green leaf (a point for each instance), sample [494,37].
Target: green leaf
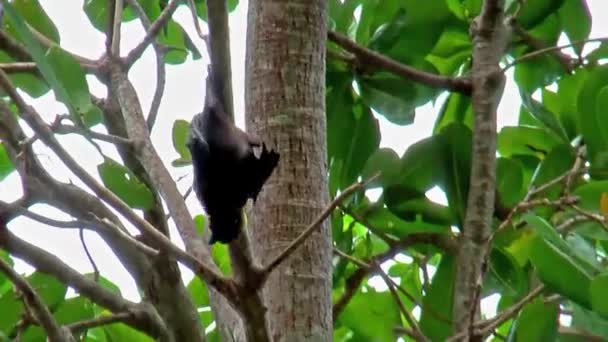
[124,184]
[533,12]
[36,17]
[408,204]
[51,66]
[122,332]
[593,119]
[588,321]
[557,264]
[378,310]
[383,219]
[352,137]
[97,12]
[543,115]
[525,140]
[457,108]
[6,166]
[536,73]
[12,308]
[221,256]
[198,292]
[70,311]
[509,181]
[422,164]
[391,96]
[436,314]
[48,288]
[342,13]
[506,272]
[179,133]
[384,160]
[576,19]
[557,162]
[457,141]
[72,78]
[537,322]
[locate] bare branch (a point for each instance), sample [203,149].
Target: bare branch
[155,28]
[119,317]
[45,134]
[18,67]
[35,304]
[490,39]
[113,139]
[460,85]
[293,246]
[117,20]
[144,317]
[160,65]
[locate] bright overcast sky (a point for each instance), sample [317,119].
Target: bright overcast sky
[183,98]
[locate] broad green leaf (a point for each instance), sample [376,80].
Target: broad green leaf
[451,51]
[506,273]
[543,115]
[509,181]
[97,12]
[557,162]
[457,108]
[70,311]
[124,184]
[386,221]
[353,135]
[6,166]
[457,141]
[536,73]
[221,256]
[378,310]
[593,119]
[436,313]
[48,288]
[533,12]
[73,79]
[198,292]
[122,332]
[385,161]
[375,14]
[36,17]
[422,164]
[557,264]
[588,321]
[537,322]
[342,13]
[391,96]
[525,140]
[590,194]
[48,67]
[410,204]
[12,308]
[598,54]
[576,19]
[179,135]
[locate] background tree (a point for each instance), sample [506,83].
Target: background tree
[522,226]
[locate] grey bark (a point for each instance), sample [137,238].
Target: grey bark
[285,101]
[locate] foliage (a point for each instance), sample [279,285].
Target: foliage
[562,115]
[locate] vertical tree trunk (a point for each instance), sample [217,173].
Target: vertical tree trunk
[285,101]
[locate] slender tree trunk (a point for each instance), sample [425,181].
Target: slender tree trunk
[285,101]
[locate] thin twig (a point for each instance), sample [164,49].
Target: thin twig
[540,52]
[314,225]
[155,28]
[79,326]
[460,85]
[415,329]
[113,139]
[89,256]
[34,303]
[489,325]
[19,67]
[117,20]
[160,66]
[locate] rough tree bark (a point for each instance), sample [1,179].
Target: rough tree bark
[285,101]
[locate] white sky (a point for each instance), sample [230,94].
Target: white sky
[183,98]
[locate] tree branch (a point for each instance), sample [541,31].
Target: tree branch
[490,39]
[119,317]
[293,246]
[144,318]
[151,34]
[35,305]
[460,85]
[160,66]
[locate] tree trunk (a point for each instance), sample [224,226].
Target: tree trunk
[285,101]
